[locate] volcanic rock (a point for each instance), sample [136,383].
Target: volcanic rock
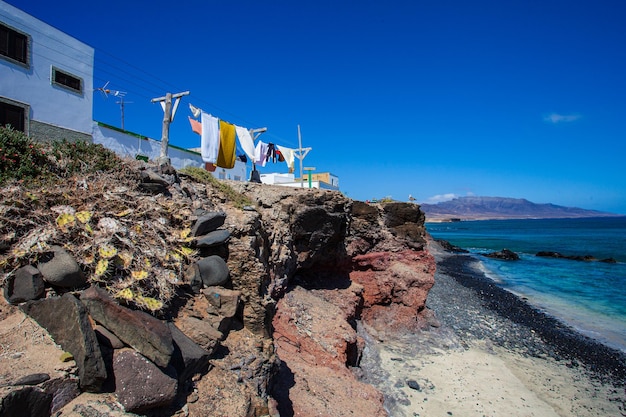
[66,320]
[139,385]
[24,285]
[59,268]
[208,223]
[145,333]
[504,254]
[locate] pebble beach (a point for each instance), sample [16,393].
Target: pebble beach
[490,353]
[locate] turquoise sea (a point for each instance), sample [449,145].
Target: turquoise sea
[588,295]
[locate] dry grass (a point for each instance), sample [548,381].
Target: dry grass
[202,176]
[132,244]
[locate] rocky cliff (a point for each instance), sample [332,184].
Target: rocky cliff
[256,314]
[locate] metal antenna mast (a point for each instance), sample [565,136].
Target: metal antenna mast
[121,102]
[115,93]
[300,154]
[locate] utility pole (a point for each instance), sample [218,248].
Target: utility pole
[168,117]
[300,153]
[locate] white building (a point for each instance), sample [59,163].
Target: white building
[46,87]
[46,91]
[324,180]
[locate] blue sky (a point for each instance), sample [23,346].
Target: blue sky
[435,99]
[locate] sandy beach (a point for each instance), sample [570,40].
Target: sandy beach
[490,355]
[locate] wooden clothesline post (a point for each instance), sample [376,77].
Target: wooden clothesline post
[168,117]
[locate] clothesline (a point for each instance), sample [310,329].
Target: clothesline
[217,145]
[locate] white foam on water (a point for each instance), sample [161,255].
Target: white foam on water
[607,330]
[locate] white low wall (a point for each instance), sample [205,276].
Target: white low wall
[129,145]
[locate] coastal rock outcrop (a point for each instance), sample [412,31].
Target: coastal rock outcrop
[262,315]
[386,246]
[584,258]
[450,247]
[504,254]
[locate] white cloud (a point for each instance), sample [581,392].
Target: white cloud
[561,118]
[441,198]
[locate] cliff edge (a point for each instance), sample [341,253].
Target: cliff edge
[255,292]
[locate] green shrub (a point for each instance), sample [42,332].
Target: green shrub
[83,157]
[20,157]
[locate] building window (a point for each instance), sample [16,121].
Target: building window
[12,115]
[67,80]
[13,44]
[237,177]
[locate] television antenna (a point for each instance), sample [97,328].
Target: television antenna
[115,93]
[300,153]
[106,91]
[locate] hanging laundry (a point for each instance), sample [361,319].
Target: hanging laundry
[196,126]
[242,157]
[226,154]
[271,153]
[195,111]
[260,153]
[280,156]
[210,142]
[289,155]
[246,141]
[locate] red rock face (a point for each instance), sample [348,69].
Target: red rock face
[317,263]
[396,285]
[315,344]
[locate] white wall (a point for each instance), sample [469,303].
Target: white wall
[276,178]
[129,145]
[314,184]
[48,47]
[288,180]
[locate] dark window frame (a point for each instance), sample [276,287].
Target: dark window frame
[24,109]
[15,45]
[66,80]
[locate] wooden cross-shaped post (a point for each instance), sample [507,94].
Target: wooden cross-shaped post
[168,117]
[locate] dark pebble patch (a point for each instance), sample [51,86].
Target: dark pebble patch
[529,331]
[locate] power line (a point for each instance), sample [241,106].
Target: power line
[145,87]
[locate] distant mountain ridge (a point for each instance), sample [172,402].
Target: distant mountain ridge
[483,208]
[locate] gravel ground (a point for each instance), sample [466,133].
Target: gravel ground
[474,307]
